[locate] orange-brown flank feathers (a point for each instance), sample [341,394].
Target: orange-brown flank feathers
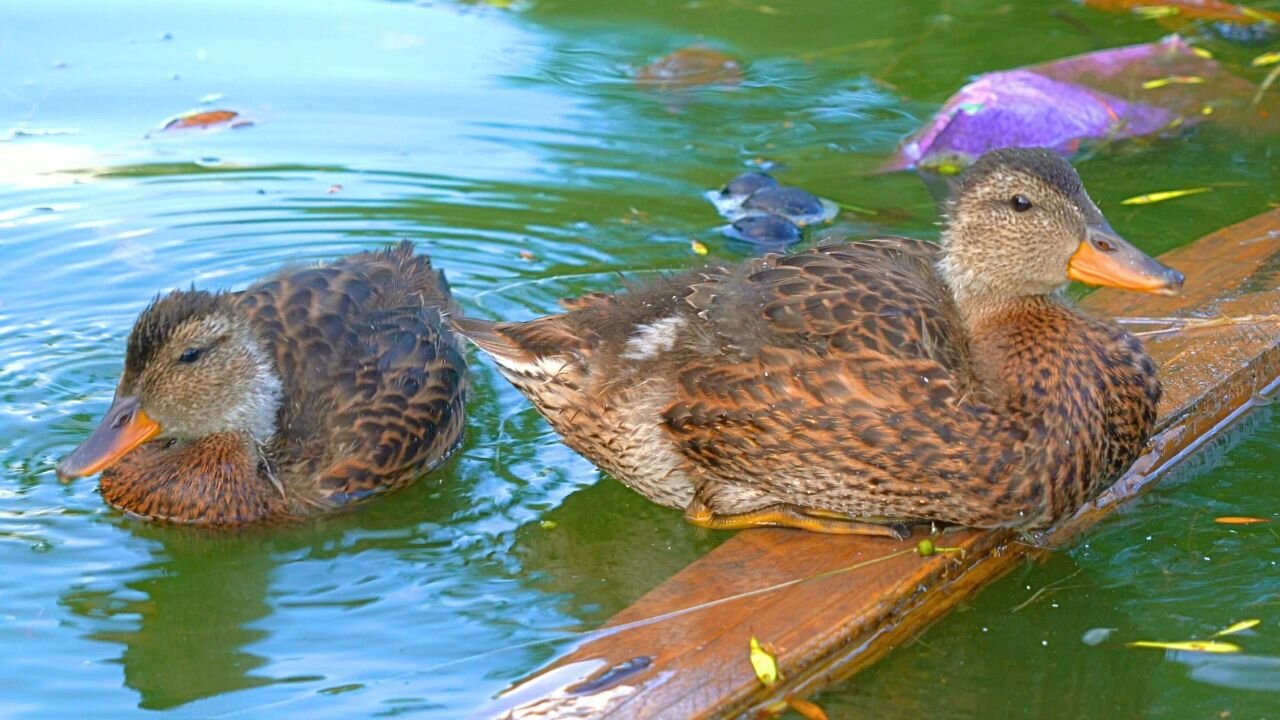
[311,389]
[864,386]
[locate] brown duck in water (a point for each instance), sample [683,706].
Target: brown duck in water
[860,387]
[309,390]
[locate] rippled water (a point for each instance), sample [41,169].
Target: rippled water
[482,133]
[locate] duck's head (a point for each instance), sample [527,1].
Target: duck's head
[1021,224]
[193,367]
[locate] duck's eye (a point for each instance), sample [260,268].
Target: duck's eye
[191,355]
[1020,203]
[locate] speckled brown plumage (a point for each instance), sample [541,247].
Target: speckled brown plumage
[870,381]
[367,381]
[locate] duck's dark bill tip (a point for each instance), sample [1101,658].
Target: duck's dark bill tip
[123,428]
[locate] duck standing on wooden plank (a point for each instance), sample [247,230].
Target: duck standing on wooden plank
[311,389]
[862,387]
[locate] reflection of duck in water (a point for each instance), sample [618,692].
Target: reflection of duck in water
[854,387]
[186,618]
[309,390]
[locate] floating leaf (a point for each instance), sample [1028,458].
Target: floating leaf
[691,67]
[1163,195]
[1152,12]
[201,119]
[763,663]
[1270,58]
[1208,646]
[547,524]
[1188,9]
[807,709]
[698,247]
[1173,80]
[1238,627]
[1257,15]
[1240,520]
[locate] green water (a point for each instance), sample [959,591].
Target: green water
[480,132]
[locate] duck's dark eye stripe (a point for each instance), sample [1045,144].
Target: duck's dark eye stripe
[191,355]
[1020,203]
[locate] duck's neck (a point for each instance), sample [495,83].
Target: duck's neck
[217,480]
[1012,335]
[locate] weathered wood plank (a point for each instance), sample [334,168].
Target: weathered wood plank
[693,663]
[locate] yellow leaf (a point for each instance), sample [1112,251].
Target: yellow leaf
[1172,80]
[1163,195]
[1237,520]
[699,248]
[1208,646]
[764,664]
[1254,14]
[1151,12]
[1270,58]
[548,524]
[1237,627]
[808,710]
[1202,53]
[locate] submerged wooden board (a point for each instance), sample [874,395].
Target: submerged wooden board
[681,650]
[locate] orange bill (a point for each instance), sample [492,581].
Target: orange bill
[123,428]
[1105,258]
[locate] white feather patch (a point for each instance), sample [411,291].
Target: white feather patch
[652,339]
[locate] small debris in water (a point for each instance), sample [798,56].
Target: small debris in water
[691,67]
[548,524]
[765,230]
[1238,627]
[1163,195]
[747,183]
[1207,646]
[201,119]
[1239,520]
[1096,636]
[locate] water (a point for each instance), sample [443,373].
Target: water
[482,133]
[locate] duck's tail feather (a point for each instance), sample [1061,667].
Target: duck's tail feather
[537,350]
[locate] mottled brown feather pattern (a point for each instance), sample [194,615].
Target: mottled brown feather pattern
[373,391]
[839,379]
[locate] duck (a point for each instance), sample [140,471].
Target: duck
[868,386]
[310,390]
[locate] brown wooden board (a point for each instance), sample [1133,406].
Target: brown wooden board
[681,651]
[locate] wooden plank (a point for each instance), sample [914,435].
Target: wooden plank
[832,605]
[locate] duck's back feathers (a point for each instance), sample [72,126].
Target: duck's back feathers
[373,376]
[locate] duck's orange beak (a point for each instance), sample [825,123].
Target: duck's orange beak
[1105,258]
[123,428]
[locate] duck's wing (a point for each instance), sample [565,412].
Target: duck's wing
[881,295]
[374,379]
[846,386]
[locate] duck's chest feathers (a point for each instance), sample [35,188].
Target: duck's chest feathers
[218,480]
[1083,388]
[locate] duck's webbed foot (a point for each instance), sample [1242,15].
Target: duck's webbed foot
[791,516]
